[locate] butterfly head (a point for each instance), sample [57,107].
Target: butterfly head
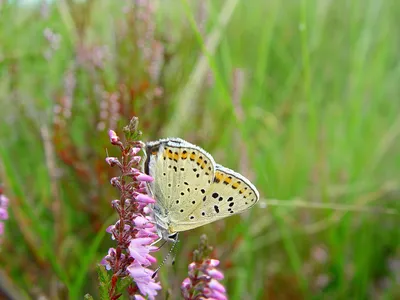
[165,233]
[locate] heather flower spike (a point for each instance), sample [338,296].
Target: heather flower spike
[3,211]
[134,231]
[203,281]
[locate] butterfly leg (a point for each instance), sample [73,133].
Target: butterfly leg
[159,239]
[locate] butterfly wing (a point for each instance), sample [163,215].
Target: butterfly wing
[182,175]
[230,193]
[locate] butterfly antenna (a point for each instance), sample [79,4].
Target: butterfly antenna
[166,257]
[173,258]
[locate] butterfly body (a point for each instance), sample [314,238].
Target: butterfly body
[190,189]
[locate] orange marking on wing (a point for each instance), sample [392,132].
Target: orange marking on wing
[236,185]
[219,176]
[228,180]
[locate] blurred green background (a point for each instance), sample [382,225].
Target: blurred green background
[301,96]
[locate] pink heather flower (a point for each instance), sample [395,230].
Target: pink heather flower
[144,177]
[112,161]
[144,280]
[202,282]
[134,231]
[3,211]
[142,222]
[134,151]
[216,274]
[106,261]
[139,250]
[3,201]
[215,285]
[136,160]
[3,214]
[144,198]
[113,137]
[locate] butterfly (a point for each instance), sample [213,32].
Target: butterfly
[190,189]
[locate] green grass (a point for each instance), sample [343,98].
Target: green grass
[315,126]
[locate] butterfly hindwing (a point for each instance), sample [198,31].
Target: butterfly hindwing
[229,194]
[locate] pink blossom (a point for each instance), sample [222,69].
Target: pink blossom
[144,177]
[112,161]
[113,137]
[3,214]
[134,151]
[144,198]
[139,250]
[203,281]
[144,280]
[216,274]
[3,211]
[142,222]
[3,201]
[215,285]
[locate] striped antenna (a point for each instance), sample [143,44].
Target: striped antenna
[166,257]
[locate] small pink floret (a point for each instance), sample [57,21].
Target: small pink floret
[144,198]
[144,177]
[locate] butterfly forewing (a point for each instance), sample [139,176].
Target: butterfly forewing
[182,174]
